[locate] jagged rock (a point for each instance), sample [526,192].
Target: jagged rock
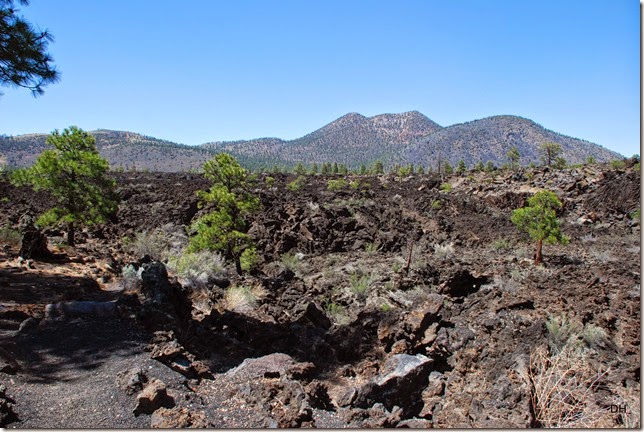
[401,382]
[132,381]
[153,397]
[314,316]
[34,245]
[274,365]
[347,398]
[173,354]
[173,418]
[156,286]
[7,415]
[27,325]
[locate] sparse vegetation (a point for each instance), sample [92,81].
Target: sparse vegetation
[359,283]
[501,244]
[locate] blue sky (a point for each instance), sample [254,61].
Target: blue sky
[199,71]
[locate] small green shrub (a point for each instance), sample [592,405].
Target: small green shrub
[336,185]
[269,181]
[249,259]
[354,184]
[637,214]
[296,184]
[446,187]
[617,164]
[443,251]
[386,307]
[359,283]
[594,336]
[436,204]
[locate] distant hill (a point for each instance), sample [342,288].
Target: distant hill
[127,150]
[352,139]
[491,138]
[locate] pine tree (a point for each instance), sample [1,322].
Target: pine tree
[24,61]
[460,167]
[226,228]
[514,156]
[76,175]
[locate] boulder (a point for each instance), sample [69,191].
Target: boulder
[153,397]
[400,383]
[34,244]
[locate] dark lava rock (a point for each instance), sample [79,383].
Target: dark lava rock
[400,383]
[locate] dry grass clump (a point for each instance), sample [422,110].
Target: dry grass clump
[242,298]
[569,389]
[564,390]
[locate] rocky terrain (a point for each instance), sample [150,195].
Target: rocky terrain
[353,139]
[393,302]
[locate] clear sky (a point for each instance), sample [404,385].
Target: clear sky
[197,71]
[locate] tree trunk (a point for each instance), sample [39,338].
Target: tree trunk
[238,265]
[537,259]
[70,234]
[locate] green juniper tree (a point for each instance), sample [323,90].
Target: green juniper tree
[226,227]
[76,175]
[539,220]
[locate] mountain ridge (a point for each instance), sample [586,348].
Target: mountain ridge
[352,139]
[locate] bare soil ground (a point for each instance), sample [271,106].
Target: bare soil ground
[340,333]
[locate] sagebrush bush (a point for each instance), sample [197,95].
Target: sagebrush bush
[130,277]
[444,251]
[562,331]
[197,268]
[153,243]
